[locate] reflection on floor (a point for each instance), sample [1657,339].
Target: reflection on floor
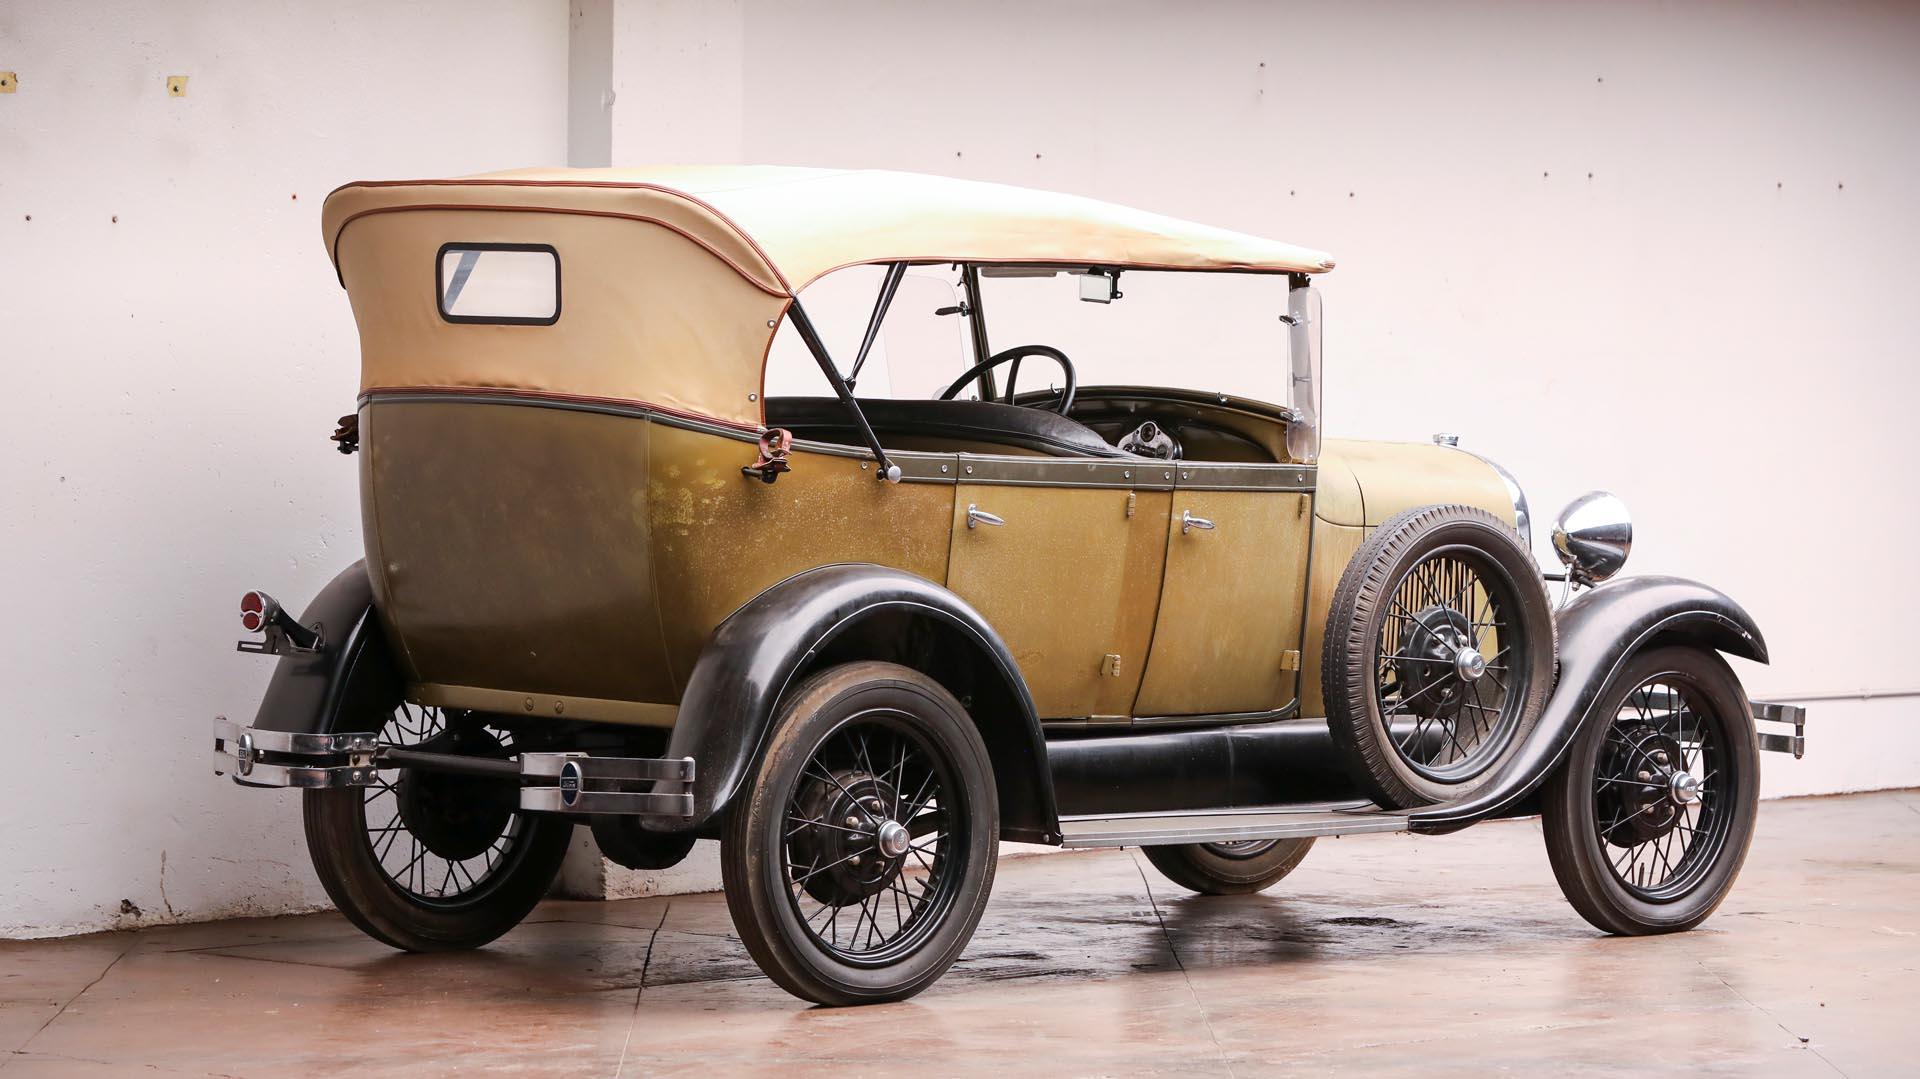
[1452,955]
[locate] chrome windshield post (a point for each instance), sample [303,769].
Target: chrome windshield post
[1303,322]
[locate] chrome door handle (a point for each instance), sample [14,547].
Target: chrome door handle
[1188,522]
[977,516]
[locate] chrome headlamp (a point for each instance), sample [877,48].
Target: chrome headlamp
[1593,537]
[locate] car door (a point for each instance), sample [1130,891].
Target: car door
[1227,632]
[1069,575]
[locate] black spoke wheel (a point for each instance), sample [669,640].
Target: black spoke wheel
[1233,868]
[1649,820]
[858,858]
[1439,654]
[431,861]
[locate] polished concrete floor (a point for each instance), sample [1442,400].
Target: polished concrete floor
[1382,954]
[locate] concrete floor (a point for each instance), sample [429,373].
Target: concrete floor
[1382,954]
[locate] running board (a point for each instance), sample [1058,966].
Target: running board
[1229,825]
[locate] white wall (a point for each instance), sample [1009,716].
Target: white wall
[170,382]
[172,376]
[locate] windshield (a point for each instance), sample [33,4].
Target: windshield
[1217,332]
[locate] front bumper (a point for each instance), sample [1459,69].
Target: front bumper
[549,782]
[1782,727]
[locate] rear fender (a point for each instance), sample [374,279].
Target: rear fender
[837,614]
[1599,631]
[350,683]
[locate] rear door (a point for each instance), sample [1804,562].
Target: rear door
[1070,577]
[1226,636]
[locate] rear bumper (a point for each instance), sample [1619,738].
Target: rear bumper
[570,783]
[1782,727]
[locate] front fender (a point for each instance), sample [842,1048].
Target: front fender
[1599,630]
[351,683]
[838,613]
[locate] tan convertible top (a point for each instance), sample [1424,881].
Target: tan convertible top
[783,227]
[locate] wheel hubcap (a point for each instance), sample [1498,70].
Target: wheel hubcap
[1469,664]
[1684,788]
[893,839]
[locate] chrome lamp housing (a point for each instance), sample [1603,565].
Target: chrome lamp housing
[1593,537]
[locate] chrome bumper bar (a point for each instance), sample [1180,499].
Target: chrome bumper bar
[553,782]
[1774,721]
[578,783]
[260,758]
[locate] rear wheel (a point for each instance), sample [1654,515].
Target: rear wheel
[858,856]
[430,861]
[1236,868]
[1648,821]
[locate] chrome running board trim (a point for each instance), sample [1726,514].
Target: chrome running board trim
[1229,825]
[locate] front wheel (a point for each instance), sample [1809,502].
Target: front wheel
[431,861]
[1649,820]
[858,856]
[1240,867]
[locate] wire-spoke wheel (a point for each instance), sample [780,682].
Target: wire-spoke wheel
[859,856]
[1237,867]
[1439,654]
[428,861]
[1648,821]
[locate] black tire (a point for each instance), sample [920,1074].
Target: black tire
[841,727]
[391,895]
[1229,868]
[1415,726]
[1591,806]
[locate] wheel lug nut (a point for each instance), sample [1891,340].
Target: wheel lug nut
[854,822]
[855,860]
[1645,776]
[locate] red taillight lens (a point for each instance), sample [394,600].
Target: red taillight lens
[253,611]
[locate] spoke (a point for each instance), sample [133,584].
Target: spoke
[829,865]
[843,790]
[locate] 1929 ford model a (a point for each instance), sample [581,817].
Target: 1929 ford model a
[861,636]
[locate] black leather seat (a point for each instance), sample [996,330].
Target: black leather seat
[825,419]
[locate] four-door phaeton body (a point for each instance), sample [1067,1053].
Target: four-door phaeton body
[616,573]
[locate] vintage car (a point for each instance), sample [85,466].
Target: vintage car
[703,503]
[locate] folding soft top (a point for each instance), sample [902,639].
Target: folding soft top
[783,227]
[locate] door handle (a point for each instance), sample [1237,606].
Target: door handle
[977,516]
[1188,522]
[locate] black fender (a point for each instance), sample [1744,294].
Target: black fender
[351,682]
[1599,631]
[836,614]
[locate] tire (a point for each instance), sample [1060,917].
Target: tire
[1633,733]
[392,895]
[793,868]
[1409,674]
[1229,868]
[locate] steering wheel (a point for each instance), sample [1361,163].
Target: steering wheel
[1013,356]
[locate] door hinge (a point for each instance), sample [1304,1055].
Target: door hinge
[1110,665]
[1290,660]
[1131,499]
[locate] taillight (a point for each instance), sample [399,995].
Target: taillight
[254,611]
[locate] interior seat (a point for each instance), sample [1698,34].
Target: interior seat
[825,419]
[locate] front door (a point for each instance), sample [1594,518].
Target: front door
[1227,635]
[1070,575]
